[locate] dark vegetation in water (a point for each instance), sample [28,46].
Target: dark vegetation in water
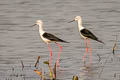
[115,46]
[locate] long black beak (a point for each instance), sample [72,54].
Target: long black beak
[33,25]
[71,21]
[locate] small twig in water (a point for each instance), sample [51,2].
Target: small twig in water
[37,61]
[75,78]
[99,57]
[22,64]
[54,71]
[115,46]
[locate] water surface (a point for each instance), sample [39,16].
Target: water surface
[20,42]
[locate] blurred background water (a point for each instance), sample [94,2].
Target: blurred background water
[19,42]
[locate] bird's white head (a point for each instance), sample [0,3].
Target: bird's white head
[39,22]
[78,18]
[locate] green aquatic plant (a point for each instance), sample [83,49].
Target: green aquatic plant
[52,72]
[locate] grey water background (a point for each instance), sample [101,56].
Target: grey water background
[19,42]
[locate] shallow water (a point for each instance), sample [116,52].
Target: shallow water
[19,42]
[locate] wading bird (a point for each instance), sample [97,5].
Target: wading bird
[47,38]
[86,35]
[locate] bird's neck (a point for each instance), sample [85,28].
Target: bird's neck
[41,31]
[80,24]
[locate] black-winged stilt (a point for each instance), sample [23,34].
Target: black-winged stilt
[86,35]
[47,38]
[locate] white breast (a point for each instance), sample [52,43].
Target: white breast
[41,35]
[81,28]
[44,39]
[83,36]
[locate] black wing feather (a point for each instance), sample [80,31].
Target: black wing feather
[52,37]
[88,34]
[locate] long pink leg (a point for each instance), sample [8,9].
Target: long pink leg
[50,60]
[86,51]
[90,52]
[59,54]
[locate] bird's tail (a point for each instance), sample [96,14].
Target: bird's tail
[64,41]
[100,41]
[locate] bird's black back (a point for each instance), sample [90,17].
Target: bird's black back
[52,37]
[88,34]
